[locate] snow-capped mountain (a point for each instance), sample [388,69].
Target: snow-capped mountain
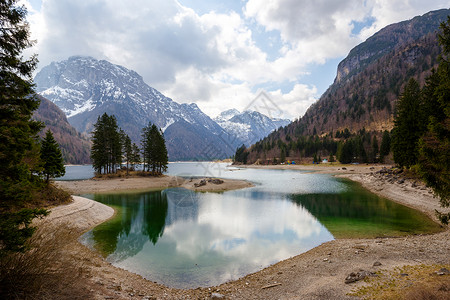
[249,126]
[85,88]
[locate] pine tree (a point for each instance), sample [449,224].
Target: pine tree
[163,158]
[19,154]
[115,144]
[346,153]
[331,158]
[283,154]
[51,158]
[128,151]
[106,151]
[136,157]
[315,159]
[99,152]
[385,147]
[375,149]
[145,147]
[408,126]
[154,150]
[241,155]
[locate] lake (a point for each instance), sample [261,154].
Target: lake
[185,239]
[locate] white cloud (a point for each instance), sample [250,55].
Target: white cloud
[295,103]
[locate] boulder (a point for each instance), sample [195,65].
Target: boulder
[201,183]
[353,277]
[216,181]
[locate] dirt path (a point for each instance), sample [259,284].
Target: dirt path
[316,274]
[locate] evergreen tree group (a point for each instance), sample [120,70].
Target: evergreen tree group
[421,136]
[241,155]
[111,147]
[347,147]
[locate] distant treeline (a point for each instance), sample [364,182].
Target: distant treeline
[363,147]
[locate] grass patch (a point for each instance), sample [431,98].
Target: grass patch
[417,282]
[49,196]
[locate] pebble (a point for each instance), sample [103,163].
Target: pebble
[217,296]
[443,271]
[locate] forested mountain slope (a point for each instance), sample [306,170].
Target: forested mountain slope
[362,98]
[75,147]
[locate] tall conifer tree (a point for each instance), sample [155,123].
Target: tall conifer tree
[128,151]
[19,155]
[106,152]
[385,147]
[51,158]
[408,125]
[154,150]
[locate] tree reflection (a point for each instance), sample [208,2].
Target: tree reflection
[137,215]
[155,213]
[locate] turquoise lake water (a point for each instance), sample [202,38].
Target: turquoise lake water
[185,239]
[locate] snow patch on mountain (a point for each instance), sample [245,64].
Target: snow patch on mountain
[249,126]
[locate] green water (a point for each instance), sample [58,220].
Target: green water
[185,239]
[357,213]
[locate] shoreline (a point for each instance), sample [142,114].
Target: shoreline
[316,274]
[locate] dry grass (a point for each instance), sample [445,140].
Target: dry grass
[417,282]
[44,271]
[49,196]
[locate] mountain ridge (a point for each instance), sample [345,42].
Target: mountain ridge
[248,126]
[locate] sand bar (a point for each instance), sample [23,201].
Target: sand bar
[146,184]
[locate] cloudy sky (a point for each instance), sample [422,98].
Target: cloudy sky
[219,54]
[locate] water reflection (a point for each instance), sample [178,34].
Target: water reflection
[186,239]
[140,218]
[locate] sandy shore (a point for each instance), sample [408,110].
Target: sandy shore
[330,168]
[316,274]
[147,184]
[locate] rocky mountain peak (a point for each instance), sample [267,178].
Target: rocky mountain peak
[385,40]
